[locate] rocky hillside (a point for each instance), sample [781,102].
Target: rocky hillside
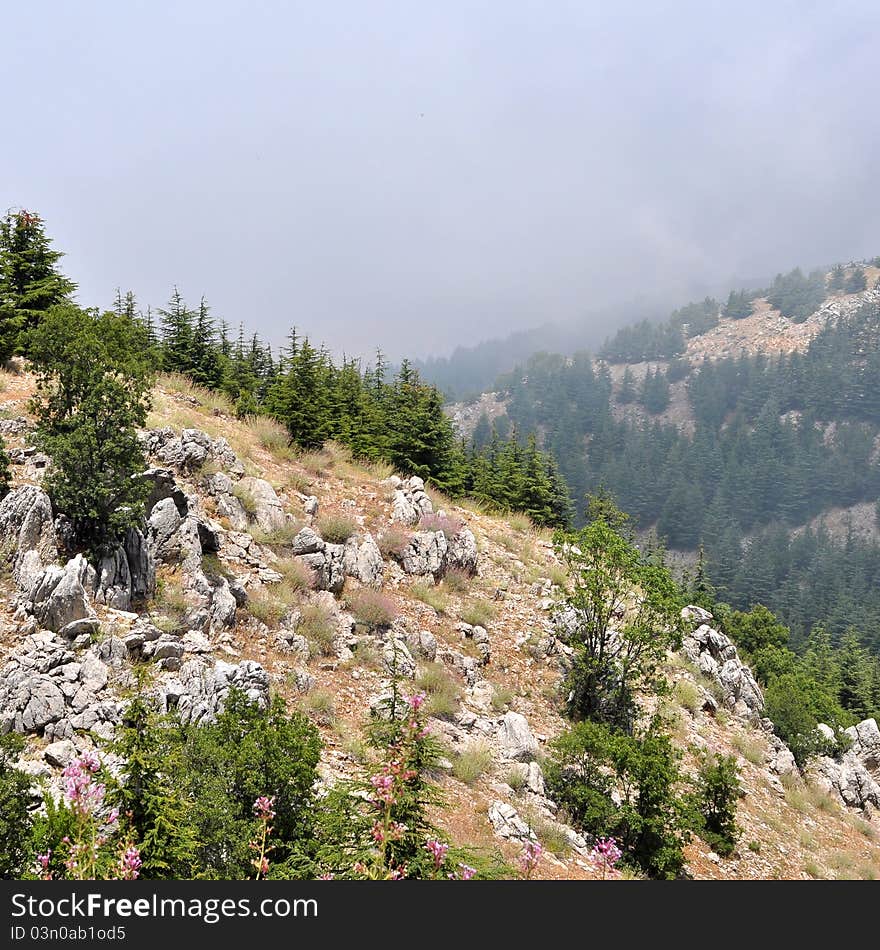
[313,577]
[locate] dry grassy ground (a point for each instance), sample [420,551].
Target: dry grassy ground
[787,833]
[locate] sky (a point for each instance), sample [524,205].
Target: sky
[417,176]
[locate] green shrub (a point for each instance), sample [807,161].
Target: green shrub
[15,818]
[612,666]
[94,379]
[590,760]
[715,801]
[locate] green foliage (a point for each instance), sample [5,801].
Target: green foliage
[644,341]
[5,474]
[590,760]
[93,393]
[797,296]
[15,817]
[739,305]
[755,630]
[796,704]
[856,281]
[654,395]
[246,753]
[618,651]
[837,279]
[380,827]
[150,795]
[715,800]
[30,282]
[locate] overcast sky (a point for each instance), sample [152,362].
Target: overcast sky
[419,175]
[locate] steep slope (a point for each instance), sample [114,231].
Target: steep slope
[214,593]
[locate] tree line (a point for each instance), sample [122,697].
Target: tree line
[96,369]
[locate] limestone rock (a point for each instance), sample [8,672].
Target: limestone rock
[362,559]
[268,512]
[462,553]
[27,529]
[426,553]
[59,594]
[516,739]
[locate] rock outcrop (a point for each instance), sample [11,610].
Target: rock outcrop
[409,501]
[362,559]
[59,594]
[201,689]
[48,689]
[854,776]
[188,452]
[27,533]
[716,657]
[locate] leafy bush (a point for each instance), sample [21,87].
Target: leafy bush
[15,818]
[372,608]
[614,661]
[715,800]
[790,702]
[93,393]
[337,528]
[590,760]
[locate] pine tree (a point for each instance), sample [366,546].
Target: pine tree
[837,279]
[205,367]
[30,281]
[627,392]
[177,335]
[856,282]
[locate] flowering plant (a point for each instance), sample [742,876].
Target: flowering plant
[94,848]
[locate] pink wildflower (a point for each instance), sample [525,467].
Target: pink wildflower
[530,857]
[264,807]
[438,849]
[417,701]
[605,854]
[130,863]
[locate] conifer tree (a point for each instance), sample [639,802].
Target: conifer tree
[177,335]
[30,281]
